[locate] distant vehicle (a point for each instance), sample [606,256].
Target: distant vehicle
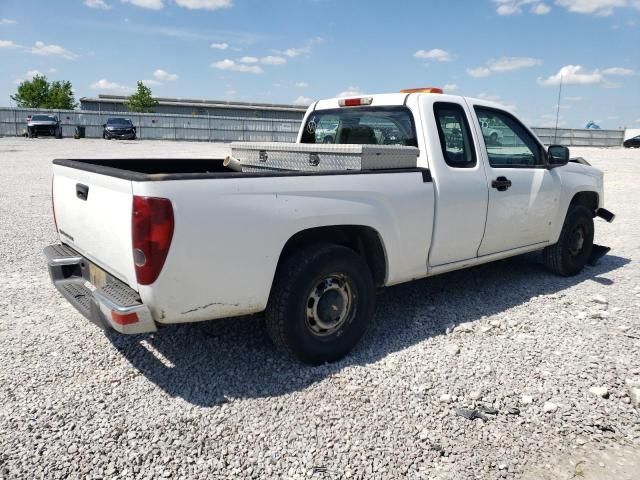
[633,142]
[119,128]
[493,135]
[592,126]
[44,125]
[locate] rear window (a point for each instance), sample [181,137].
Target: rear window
[361,125]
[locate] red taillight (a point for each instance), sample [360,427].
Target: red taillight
[124,319]
[151,234]
[355,102]
[53,207]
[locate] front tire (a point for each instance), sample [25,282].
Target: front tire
[573,249]
[321,303]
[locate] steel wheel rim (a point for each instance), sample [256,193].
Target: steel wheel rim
[330,304]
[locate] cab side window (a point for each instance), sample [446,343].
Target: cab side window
[508,143]
[455,136]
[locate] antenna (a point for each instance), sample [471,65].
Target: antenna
[555,136]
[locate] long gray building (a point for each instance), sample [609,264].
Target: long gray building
[187,106]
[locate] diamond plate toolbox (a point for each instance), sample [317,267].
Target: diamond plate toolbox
[311,157]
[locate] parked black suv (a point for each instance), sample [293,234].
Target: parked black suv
[633,142]
[120,128]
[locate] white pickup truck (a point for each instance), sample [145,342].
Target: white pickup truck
[150,242]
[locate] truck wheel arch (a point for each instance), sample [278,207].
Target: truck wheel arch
[364,240]
[586,198]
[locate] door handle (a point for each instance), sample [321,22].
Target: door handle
[501,184]
[82,191]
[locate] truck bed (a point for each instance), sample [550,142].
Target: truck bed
[160,169]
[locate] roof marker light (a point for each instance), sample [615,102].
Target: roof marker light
[422,90]
[355,102]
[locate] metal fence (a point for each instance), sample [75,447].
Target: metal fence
[152,126]
[580,137]
[155,126]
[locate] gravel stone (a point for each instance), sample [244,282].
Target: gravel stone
[549,407]
[599,299]
[217,400]
[526,399]
[600,391]
[452,349]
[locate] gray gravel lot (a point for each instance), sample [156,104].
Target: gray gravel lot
[216,400]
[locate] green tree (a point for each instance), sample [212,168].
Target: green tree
[40,93]
[61,96]
[141,101]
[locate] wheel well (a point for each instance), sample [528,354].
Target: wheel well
[586,199]
[363,240]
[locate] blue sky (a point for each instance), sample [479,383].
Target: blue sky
[294,51]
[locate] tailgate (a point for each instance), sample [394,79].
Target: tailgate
[93,214]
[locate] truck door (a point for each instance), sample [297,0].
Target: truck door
[523,194]
[459,179]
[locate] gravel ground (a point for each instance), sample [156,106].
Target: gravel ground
[216,400]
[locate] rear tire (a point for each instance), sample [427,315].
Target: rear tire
[321,303]
[573,250]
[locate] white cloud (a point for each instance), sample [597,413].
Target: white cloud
[302,100]
[508,64]
[28,76]
[273,60]
[148,4]
[40,48]
[220,46]
[151,83]
[573,75]
[514,7]
[105,84]
[8,44]
[479,72]
[573,99]
[450,87]
[540,9]
[621,71]
[350,92]
[7,21]
[52,70]
[268,60]
[503,64]
[296,52]
[233,66]
[302,84]
[165,76]
[601,8]
[204,4]
[100,4]
[495,98]
[436,54]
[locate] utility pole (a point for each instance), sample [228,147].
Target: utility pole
[555,137]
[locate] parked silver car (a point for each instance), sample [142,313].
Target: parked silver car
[43,124]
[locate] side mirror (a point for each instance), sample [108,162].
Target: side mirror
[558,155]
[104,125]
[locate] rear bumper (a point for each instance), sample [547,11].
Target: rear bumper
[113,305]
